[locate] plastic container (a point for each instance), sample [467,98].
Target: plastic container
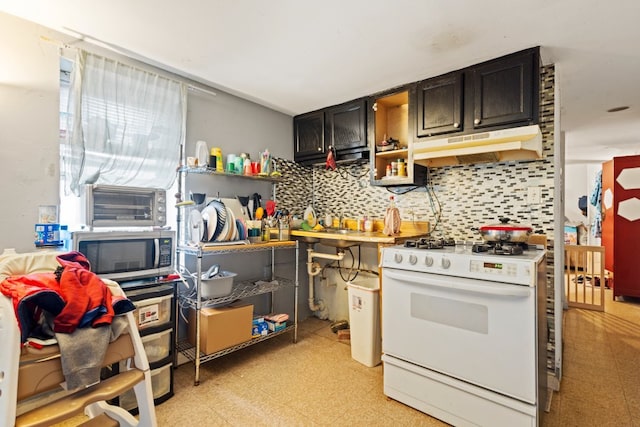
[160,386]
[364,321]
[153,311]
[218,286]
[157,346]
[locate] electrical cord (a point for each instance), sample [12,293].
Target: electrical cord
[398,192]
[351,171]
[435,206]
[351,269]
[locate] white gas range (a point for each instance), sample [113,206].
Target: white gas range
[464,331]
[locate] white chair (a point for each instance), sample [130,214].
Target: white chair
[30,382]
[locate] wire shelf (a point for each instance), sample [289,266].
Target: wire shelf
[203,250]
[239,290]
[189,350]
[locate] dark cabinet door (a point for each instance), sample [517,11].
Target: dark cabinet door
[346,126]
[504,91]
[309,136]
[439,105]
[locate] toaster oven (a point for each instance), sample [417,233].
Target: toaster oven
[121,206]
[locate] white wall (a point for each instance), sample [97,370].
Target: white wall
[580,180]
[29,78]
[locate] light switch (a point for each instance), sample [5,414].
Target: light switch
[534,195]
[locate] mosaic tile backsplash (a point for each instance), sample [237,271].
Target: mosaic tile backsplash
[455,200]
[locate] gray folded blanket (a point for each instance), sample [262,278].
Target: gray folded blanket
[83,350]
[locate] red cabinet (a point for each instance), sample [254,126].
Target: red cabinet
[621,222]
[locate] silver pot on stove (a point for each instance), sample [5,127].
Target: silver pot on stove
[505,232]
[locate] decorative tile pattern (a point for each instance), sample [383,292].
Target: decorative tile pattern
[456,200]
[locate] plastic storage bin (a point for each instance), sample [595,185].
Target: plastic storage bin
[157,346]
[160,384]
[218,286]
[153,312]
[364,321]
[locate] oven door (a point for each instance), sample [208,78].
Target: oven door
[477,331]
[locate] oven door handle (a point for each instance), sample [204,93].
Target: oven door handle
[458,283]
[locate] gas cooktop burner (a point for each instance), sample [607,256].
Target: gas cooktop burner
[500,248]
[426,243]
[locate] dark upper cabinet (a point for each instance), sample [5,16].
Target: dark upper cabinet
[346,126]
[496,94]
[343,127]
[308,130]
[439,106]
[505,90]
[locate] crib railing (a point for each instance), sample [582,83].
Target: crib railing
[585,276]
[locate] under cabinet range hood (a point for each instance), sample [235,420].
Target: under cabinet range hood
[521,143]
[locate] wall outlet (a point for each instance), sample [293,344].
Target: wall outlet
[534,195]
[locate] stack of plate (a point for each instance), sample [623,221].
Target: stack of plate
[217,223]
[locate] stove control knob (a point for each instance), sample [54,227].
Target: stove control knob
[445,263]
[428,261]
[413,259]
[398,258]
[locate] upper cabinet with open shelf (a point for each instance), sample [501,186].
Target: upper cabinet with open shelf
[390,141]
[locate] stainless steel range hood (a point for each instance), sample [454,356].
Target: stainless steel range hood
[521,143]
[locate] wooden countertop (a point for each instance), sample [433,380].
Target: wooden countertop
[408,230]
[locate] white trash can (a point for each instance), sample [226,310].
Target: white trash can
[364,321]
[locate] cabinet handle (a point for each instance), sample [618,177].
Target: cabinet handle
[319,148]
[476,121]
[374,107]
[456,125]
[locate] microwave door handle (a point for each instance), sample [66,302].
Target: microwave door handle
[156,252]
[461,284]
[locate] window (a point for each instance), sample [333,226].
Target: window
[119,125]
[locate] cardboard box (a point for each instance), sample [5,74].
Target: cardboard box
[221,327]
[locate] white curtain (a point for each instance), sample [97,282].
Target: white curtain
[125,126]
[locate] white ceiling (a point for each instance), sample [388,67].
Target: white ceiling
[296,56]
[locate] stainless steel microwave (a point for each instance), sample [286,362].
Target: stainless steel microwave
[121,206]
[128,255]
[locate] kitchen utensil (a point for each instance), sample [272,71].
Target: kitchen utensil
[265,163]
[199,198]
[310,216]
[233,204]
[505,232]
[202,153]
[244,203]
[211,272]
[196,226]
[224,233]
[221,215]
[259,213]
[257,202]
[229,226]
[210,217]
[392,219]
[270,207]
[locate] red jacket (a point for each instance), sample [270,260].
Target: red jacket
[80,297]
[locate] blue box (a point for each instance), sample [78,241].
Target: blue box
[259,327]
[48,235]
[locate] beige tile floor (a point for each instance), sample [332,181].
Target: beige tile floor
[601,380]
[316,382]
[276,383]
